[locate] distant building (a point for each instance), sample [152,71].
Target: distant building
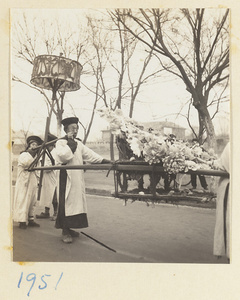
[106,135]
[19,137]
[18,142]
[166,128]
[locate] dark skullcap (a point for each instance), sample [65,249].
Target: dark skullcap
[34,138]
[68,121]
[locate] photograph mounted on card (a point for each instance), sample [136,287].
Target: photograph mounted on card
[120,125]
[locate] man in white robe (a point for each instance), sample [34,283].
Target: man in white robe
[222,225]
[26,186]
[72,211]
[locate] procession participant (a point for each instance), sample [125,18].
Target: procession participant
[72,211]
[26,186]
[169,178]
[202,181]
[202,178]
[222,224]
[49,183]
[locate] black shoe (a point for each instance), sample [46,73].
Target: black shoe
[43,215]
[74,233]
[33,224]
[23,225]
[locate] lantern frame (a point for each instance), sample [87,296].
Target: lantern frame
[56,73]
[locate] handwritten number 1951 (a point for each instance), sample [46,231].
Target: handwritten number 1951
[32,277]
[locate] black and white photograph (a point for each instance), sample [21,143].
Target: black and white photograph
[120,150]
[120,132]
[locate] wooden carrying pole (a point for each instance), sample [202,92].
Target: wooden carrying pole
[43,157]
[128,168]
[42,149]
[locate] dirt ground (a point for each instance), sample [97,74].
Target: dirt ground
[118,233]
[122,231]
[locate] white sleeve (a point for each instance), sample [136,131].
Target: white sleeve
[225,159]
[63,153]
[25,159]
[90,156]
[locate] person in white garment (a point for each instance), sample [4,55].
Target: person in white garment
[72,210]
[48,195]
[26,186]
[222,226]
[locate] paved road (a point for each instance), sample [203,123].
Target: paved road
[117,233]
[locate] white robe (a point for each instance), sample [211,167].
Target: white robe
[221,248]
[25,190]
[75,198]
[49,183]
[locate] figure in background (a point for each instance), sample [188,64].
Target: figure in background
[49,183]
[169,178]
[193,176]
[72,210]
[25,197]
[222,225]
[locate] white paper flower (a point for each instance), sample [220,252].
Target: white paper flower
[176,155]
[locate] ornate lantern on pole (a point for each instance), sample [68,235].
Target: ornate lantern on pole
[56,73]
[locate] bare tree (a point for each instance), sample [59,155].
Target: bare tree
[191,44]
[118,64]
[118,71]
[46,37]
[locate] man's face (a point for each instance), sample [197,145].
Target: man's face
[73,129]
[33,145]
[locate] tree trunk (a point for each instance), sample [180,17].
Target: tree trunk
[201,129]
[131,108]
[205,122]
[211,138]
[111,147]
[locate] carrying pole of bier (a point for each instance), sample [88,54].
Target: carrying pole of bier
[128,166]
[58,74]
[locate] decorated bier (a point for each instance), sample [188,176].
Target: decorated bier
[143,152]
